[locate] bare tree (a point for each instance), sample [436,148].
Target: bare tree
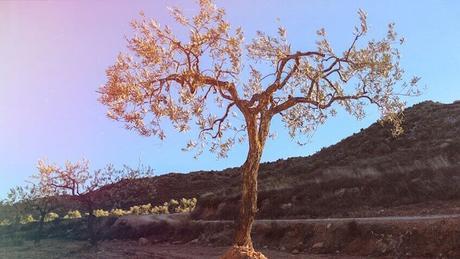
[198,80]
[76,182]
[39,196]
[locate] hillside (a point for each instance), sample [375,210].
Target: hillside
[367,172]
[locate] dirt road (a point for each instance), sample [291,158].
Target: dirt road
[117,249]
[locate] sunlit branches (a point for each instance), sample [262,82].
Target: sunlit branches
[195,80]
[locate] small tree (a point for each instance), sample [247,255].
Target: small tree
[190,79]
[40,197]
[35,197]
[14,203]
[5,213]
[75,181]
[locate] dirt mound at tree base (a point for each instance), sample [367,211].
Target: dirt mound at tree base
[242,252]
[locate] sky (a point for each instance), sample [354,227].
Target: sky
[54,55]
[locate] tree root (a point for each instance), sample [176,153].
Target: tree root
[242,252]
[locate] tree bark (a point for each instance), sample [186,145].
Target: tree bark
[91,228]
[92,232]
[257,135]
[40,228]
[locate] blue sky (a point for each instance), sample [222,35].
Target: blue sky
[54,55]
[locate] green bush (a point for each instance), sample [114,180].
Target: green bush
[27,219]
[141,209]
[186,205]
[135,210]
[5,222]
[145,209]
[73,214]
[118,212]
[101,213]
[51,217]
[173,206]
[162,209]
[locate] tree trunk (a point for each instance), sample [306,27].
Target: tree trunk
[91,228]
[248,207]
[257,135]
[40,228]
[92,232]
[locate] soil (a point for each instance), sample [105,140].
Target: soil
[55,248]
[176,236]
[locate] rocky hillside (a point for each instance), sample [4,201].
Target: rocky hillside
[367,171]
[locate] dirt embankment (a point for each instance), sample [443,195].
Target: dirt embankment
[429,237]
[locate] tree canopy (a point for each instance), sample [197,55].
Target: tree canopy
[204,78]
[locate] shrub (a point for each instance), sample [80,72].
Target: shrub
[100,213]
[51,217]
[118,212]
[145,209]
[135,210]
[73,214]
[141,209]
[173,206]
[27,219]
[186,205]
[162,209]
[5,222]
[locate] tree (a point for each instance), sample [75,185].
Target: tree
[189,79]
[5,211]
[39,196]
[75,181]
[14,202]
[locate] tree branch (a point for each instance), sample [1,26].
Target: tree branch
[302,100]
[219,121]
